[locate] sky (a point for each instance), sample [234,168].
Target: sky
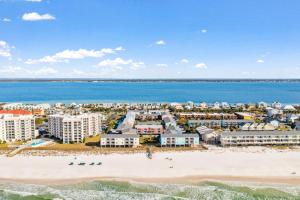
[149,39]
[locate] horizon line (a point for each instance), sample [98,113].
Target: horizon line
[151,79]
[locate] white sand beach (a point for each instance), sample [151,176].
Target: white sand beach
[253,163]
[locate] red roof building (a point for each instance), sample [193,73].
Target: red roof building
[16,112]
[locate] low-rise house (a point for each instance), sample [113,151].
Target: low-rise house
[203,105]
[216,106]
[240,138]
[276,105]
[176,140]
[289,108]
[271,112]
[119,140]
[262,104]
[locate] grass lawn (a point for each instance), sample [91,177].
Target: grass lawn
[65,147]
[95,138]
[3,146]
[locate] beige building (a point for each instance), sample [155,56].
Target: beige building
[119,140]
[74,128]
[17,127]
[260,138]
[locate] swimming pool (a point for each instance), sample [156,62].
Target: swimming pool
[37,142]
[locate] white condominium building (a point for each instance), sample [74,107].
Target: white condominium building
[17,127]
[74,128]
[119,140]
[260,138]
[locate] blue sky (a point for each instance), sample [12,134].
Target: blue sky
[150,39]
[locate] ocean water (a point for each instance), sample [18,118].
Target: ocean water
[89,92]
[108,190]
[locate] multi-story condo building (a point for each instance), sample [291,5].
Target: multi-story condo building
[74,128]
[17,127]
[119,140]
[173,140]
[218,123]
[260,138]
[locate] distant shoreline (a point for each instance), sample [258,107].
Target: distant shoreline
[142,80]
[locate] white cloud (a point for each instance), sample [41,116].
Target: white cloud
[10,70]
[184,60]
[260,61]
[34,16]
[34,0]
[162,65]
[78,72]
[4,49]
[117,63]
[45,71]
[66,55]
[203,31]
[160,42]
[201,66]
[6,20]
[120,48]
[15,71]
[137,65]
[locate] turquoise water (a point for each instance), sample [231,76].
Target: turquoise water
[120,190]
[37,142]
[234,92]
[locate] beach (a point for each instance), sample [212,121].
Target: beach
[252,164]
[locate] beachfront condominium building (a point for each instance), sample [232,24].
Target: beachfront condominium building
[119,140]
[17,127]
[240,138]
[74,128]
[177,140]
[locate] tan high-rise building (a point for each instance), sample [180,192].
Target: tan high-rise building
[74,128]
[17,127]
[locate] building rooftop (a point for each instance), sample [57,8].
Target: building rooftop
[220,120]
[148,126]
[253,133]
[119,136]
[16,112]
[180,135]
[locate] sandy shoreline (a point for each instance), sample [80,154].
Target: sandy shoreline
[177,180]
[253,164]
